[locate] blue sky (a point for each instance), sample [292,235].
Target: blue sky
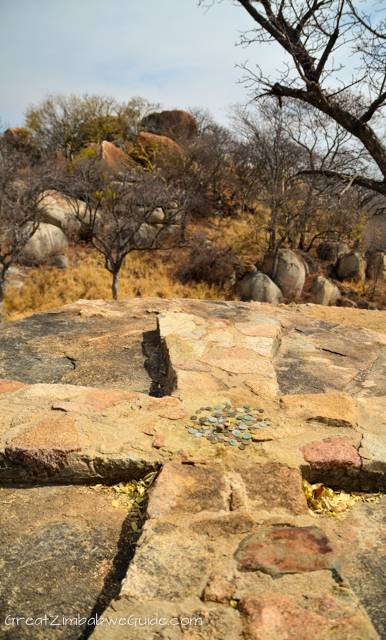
[167,51]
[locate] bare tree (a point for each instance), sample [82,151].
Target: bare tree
[311,33]
[24,175]
[274,162]
[125,215]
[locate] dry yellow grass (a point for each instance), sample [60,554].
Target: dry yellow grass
[244,235]
[142,275]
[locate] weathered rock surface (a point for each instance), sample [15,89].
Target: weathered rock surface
[60,262]
[310,262]
[18,137]
[331,250]
[112,159]
[47,241]
[157,216]
[324,292]
[278,551]
[274,616]
[145,235]
[158,149]
[60,212]
[220,523]
[351,265]
[287,270]
[259,287]
[173,124]
[64,551]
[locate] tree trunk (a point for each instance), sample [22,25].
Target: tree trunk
[3,285]
[115,285]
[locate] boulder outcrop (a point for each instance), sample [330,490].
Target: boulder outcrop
[259,287]
[112,159]
[173,124]
[324,292]
[287,271]
[150,147]
[47,241]
[60,211]
[331,250]
[351,265]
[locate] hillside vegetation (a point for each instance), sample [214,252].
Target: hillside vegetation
[170,204]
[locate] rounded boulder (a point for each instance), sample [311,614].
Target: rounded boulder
[259,287]
[287,271]
[351,265]
[324,292]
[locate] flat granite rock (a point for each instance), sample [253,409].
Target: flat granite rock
[100,392]
[279,551]
[274,617]
[181,489]
[45,445]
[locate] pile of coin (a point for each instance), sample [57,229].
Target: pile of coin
[222,424]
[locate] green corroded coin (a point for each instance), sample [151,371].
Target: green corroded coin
[192,431]
[236,433]
[217,406]
[263,424]
[208,408]
[233,442]
[202,430]
[220,437]
[247,406]
[242,427]
[246,436]
[198,435]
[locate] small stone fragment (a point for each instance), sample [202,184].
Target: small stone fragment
[218,589]
[158,441]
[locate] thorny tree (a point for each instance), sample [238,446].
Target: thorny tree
[24,175]
[314,36]
[120,215]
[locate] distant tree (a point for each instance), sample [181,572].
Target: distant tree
[274,163]
[119,216]
[67,123]
[23,178]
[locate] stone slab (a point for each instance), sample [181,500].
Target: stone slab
[181,489]
[278,551]
[334,409]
